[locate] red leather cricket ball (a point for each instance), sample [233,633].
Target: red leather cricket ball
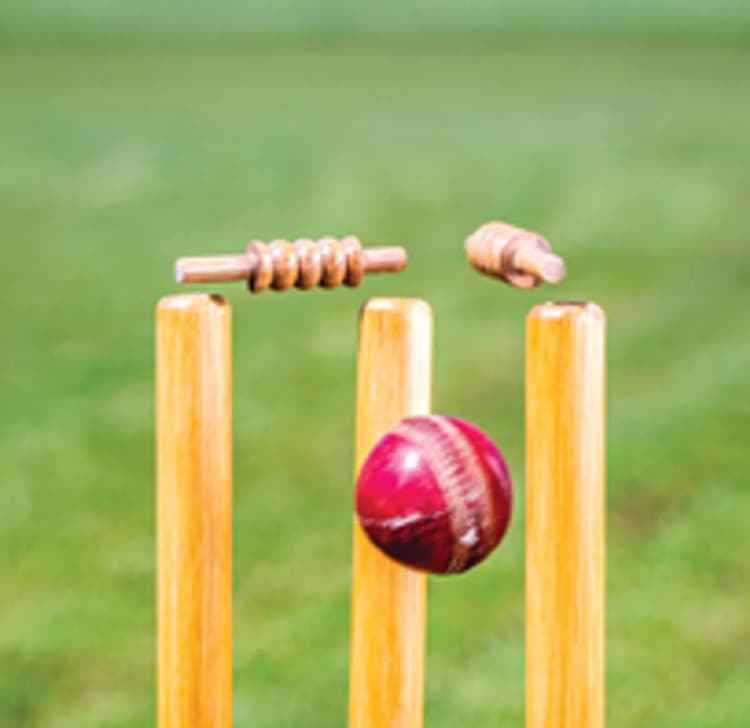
[435,494]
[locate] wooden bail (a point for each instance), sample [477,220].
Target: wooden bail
[519,257]
[194,512]
[386,667]
[304,264]
[565,515]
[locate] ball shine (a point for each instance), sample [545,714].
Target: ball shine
[435,494]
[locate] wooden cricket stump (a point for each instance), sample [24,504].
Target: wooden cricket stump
[386,665]
[565,516]
[194,511]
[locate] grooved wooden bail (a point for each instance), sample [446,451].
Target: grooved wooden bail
[519,257]
[304,264]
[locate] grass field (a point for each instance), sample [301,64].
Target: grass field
[234,21]
[633,158]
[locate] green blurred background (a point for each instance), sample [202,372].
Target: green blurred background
[133,133]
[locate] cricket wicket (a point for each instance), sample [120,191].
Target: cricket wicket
[565,485]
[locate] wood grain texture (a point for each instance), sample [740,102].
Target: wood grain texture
[565,516]
[194,512]
[386,673]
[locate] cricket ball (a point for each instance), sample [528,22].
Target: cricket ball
[435,494]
